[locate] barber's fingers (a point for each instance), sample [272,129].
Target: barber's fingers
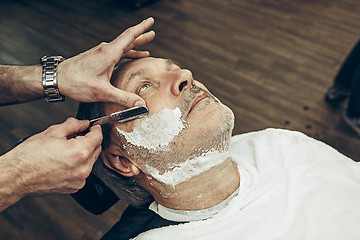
[93,138]
[141,40]
[72,187]
[82,162]
[136,54]
[85,166]
[84,150]
[144,38]
[70,127]
[112,94]
[91,160]
[130,35]
[124,98]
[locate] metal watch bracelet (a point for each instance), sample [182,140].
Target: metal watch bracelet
[49,78]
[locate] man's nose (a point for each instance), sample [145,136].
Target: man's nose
[183,80]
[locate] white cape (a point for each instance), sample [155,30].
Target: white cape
[291,187]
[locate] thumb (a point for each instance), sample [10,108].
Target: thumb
[72,126]
[124,98]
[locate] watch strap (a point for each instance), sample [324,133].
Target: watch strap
[49,78]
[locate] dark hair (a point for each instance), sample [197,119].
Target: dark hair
[126,188]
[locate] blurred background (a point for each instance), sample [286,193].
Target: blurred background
[270,61]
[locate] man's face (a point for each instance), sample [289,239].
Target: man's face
[175,100]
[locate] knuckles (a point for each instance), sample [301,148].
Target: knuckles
[82,155]
[130,33]
[99,134]
[72,121]
[58,128]
[83,172]
[50,129]
[82,161]
[102,47]
[75,186]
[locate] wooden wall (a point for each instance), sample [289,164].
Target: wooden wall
[270,61]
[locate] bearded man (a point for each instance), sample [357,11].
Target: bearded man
[198,182]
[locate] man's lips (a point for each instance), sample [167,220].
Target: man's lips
[196,101]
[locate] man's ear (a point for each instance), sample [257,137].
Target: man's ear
[120,164]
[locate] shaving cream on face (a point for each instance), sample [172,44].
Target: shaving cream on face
[153,137]
[190,168]
[156,132]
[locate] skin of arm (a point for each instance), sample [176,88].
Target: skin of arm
[20,84]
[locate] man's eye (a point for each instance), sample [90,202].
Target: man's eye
[144,87]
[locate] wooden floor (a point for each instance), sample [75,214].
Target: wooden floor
[270,61]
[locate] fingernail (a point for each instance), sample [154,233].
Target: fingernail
[139,103]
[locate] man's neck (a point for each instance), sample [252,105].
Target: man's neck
[200,192]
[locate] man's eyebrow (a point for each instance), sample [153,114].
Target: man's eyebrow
[139,72]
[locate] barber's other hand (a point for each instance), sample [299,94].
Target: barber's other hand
[86,77]
[49,162]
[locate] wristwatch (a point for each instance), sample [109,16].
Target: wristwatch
[49,78]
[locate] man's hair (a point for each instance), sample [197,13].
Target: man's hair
[126,188]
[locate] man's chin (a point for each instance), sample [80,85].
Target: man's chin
[213,130]
[216,116]
[223,126]
[211,137]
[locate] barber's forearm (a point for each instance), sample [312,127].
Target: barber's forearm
[20,84]
[10,191]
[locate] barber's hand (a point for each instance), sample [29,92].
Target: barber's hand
[49,162]
[86,77]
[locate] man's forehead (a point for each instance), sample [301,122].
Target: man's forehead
[149,61]
[171,63]
[140,67]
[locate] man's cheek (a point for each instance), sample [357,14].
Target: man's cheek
[157,105]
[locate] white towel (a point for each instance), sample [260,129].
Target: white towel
[291,187]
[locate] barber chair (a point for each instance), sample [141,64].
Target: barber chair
[95,196]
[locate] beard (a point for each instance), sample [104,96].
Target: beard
[210,130]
